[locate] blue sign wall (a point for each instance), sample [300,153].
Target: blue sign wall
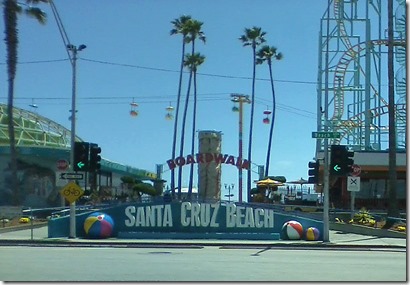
[189,219]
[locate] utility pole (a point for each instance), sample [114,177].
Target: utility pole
[392,210]
[74,51]
[239,98]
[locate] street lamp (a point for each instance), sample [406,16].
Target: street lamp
[229,187]
[73,60]
[239,98]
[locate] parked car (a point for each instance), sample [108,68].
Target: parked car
[24,220]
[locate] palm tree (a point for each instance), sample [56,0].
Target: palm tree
[192,62]
[266,53]
[180,27]
[253,37]
[10,9]
[194,32]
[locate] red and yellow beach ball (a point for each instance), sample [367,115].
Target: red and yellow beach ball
[98,225]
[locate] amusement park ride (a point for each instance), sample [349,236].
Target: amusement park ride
[352,73]
[134,111]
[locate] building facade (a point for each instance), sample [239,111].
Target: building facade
[43,154]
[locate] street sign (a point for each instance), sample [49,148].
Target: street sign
[353,184]
[72,176]
[62,164]
[71,192]
[356,170]
[325,135]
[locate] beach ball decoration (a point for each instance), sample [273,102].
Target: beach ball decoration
[292,230]
[312,233]
[98,225]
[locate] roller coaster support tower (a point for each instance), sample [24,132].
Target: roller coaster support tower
[352,79]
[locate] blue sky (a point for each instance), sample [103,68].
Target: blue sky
[130,56]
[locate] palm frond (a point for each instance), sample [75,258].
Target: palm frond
[37,13]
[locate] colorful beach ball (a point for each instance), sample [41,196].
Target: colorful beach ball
[98,225]
[312,233]
[292,230]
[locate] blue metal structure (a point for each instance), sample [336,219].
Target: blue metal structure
[352,77]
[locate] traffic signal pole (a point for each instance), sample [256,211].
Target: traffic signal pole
[326,141]
[73,111]
[73,50]
[326,189]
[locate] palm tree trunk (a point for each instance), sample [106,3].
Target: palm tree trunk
[183,134]
[174,142]
[10,21]
[249,180]
[191,170]
[191,173]
[13,152]
[272,122]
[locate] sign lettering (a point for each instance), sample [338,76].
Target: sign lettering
[199,215]
[208,158]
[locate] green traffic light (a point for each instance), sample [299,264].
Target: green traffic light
[337,168]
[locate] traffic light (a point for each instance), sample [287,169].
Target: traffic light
[349,161]
[95,157]
[341,160]
[313,172]
[81,156]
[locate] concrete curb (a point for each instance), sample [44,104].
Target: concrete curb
[363,230]
[22,227]
[194,244]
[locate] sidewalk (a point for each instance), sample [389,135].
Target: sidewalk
[336,239]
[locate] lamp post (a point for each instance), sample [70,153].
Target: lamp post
[229,187]
[239,98]
[74,51]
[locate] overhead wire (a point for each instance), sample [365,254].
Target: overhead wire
[61,29]
[164,69]
[66,42]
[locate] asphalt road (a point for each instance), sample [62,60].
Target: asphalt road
[209,263]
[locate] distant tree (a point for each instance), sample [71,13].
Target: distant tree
[139,187]
[277,178]
[252,37]
[10,9]
[145,188]
[266,54]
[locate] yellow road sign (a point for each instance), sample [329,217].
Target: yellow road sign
[71,192]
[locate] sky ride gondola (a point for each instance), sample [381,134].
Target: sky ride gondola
[267,113]
[169,115]
[133,111]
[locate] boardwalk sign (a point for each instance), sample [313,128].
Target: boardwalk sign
[218,158]
[190,220]
[198,215]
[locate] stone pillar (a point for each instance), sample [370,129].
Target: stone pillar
[209,174]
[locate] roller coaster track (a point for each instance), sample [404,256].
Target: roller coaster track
[357,122]
[340,72]
[339,75]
